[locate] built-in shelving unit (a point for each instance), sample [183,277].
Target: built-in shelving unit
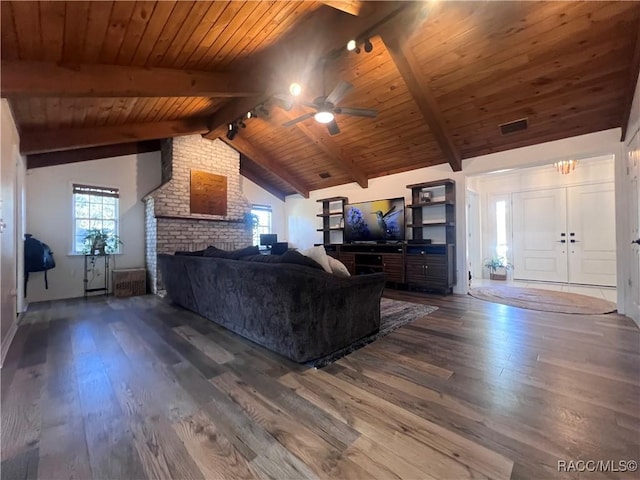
[332,219]
[430,254]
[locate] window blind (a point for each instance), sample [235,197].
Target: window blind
[98,191]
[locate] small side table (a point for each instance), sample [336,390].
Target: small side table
[95,259]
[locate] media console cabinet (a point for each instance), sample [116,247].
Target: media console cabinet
[428,266]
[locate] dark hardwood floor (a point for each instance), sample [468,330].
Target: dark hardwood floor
[136,388]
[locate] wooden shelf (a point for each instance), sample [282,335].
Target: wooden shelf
[329,211]
[432,224]
[333,199]
[330,214]
[430,204]
[434,184]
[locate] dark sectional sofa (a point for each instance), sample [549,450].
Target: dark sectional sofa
[298,311]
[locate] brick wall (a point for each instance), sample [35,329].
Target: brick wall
[193,231]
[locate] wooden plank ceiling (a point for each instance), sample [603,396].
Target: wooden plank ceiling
[443,76]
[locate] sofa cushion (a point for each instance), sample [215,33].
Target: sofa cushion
[289,256]
[338,268]
[197,253]
[318,254]
[232,255]
[262,258]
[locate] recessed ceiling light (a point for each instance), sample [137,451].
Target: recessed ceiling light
[323,116]
[295,89]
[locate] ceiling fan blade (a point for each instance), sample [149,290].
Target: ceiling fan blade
[358,112]
[339,92]
[309,104]
[333,128]
[299,119]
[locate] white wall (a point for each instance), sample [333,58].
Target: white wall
[255,194]
[301,213]
[50,215]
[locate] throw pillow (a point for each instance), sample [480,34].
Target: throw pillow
[338,268]
[319,255]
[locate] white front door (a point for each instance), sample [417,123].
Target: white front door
[539,235]
[591,233]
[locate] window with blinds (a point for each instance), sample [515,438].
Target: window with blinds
[94,208]
[263,212]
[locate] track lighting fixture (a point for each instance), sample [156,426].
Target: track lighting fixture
[250,114]
[232,132]
[352,46]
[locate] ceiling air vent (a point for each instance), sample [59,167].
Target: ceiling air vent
[324,175]
[513,127]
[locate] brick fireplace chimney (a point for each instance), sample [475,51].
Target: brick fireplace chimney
[169,224]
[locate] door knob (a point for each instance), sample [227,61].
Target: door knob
[562,241]
[636,241]
[575,241]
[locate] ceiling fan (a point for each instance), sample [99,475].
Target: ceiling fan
[326,108]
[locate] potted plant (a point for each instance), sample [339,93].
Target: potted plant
[100,242]
[498,267]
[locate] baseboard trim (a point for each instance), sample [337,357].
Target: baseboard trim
[9,339]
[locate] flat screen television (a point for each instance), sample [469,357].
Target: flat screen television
[375,221]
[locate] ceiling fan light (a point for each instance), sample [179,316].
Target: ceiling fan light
[323,116]
[295,89]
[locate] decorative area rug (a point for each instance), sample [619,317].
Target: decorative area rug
[393,315]
[544,300]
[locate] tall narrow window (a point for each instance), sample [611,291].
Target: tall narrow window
[93,208]
[263,213]
[501,229]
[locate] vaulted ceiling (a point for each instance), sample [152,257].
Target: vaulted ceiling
[99,77]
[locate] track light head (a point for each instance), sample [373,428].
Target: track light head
[250,114]
[233,131]
[351,45]
[368,46]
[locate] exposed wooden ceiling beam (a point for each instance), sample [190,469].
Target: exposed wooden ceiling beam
[633,80]
[264,159]
[351,7]
[332,150]
[41,141]
[249,173]
[47,79]
[409,69]
[94,153]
